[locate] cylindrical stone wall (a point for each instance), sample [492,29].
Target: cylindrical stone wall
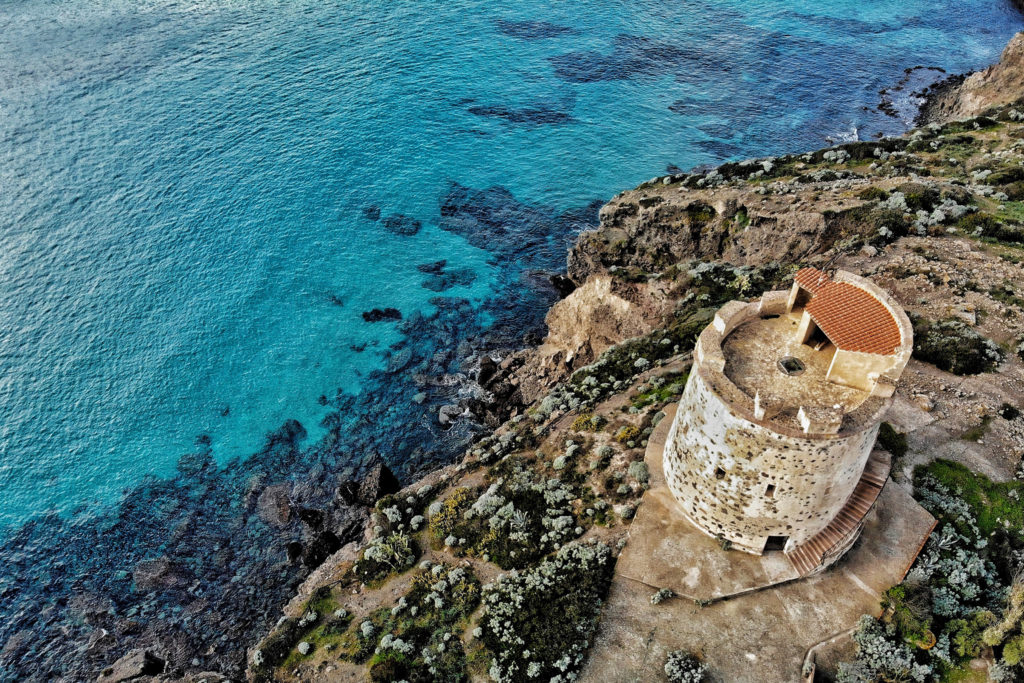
[744,481]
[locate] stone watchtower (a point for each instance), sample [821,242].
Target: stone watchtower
[771,447]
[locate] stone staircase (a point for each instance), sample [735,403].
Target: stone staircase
[840,534]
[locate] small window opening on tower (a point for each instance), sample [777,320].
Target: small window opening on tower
[770,491]
[719,473]
[791,365]
[775,543]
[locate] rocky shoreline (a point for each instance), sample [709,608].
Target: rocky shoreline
[194,567]
[663,256]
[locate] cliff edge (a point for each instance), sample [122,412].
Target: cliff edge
[968,95]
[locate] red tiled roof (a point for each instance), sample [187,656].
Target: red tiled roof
[853,319]
[811,279]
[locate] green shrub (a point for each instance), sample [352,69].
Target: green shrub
[873,194]
[909,610]
[1013,651]
[919,197]
[891,440]
[682,667]
[661,389]
[966,634]
[587,422]
[386,555]
[627,433]
[448,514]
[1005,176]
[699,213]
[639,471]
[538,623]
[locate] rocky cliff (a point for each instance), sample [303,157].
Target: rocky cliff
[963,96]
[936,217]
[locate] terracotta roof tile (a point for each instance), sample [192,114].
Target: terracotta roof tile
[853,319]
[811,279]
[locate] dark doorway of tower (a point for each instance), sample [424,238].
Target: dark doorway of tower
[775,544]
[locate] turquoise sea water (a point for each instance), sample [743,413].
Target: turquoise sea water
[183,182]
[189,196]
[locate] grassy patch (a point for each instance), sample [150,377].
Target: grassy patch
[1013,211]
[991,503]
[976,432]
[892,440]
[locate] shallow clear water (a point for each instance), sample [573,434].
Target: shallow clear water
[183,182]
[187,229]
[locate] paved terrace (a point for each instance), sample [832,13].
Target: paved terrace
[762,619]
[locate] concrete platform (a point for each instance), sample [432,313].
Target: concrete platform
[765,629]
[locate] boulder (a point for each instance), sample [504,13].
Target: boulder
[488,368]
[379,481]
[563,285]
[273,506]
[133,665]
[449,414]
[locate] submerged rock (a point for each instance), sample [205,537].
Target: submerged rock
[460,277]
[378,314]
[133,665]
[433,268]
[161,572]
[400,224]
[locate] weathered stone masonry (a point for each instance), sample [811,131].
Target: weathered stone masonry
[759,456]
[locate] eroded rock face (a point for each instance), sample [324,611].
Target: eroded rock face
[734,224]
[962,97]
[378,482]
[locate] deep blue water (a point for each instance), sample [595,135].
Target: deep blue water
[198,201]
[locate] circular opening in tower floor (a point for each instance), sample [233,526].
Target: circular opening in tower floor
[791,365]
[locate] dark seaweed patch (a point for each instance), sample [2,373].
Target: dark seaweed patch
[400,224]
[539,115]
[533,30]
[631,57]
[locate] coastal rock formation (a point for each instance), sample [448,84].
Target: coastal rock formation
[932,218]
[133,665]
[969,95]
